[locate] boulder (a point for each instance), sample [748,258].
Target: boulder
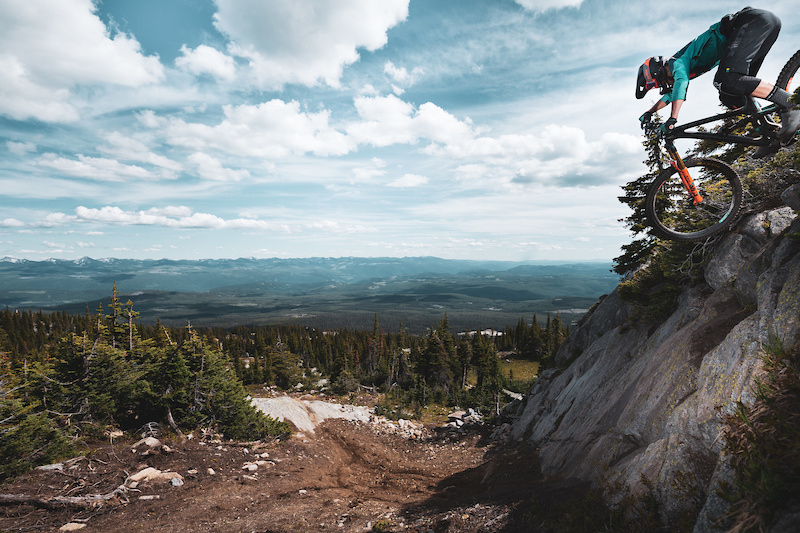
[154,474]
[792,196]
[640,403]
[72,526]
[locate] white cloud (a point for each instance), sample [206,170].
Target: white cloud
[54,219]
[20,148]
[409,180]
[48,47]
[211,169]
[277,130]
[544,5]
[386,120]
[560,155]
[332,226]
[401,75]
[438,125]
[130,149]
[270,130]
[11,223]
[304,41]
[367,172]
[98,168]
[172,217]
[389,120]
[149,119]
[207,60]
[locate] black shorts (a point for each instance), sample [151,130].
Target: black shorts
[751,35]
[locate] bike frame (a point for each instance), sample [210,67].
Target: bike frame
[751,113]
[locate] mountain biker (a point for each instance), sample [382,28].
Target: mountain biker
[738,44]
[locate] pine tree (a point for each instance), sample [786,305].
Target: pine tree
[637,251]
[439,357]
[486,364]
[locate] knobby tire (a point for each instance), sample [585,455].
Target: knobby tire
[789,82]
[786,79]
[671,212]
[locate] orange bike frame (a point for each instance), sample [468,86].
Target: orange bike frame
[677,162]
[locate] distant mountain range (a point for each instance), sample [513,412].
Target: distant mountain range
[324,292]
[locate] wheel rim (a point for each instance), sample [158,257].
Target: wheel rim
[675,214]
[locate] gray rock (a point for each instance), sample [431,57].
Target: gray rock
[732,254]
[633,402]
[715,507]
[792,196]
[755,227]
[780,219]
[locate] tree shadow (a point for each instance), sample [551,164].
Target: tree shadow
[505,493]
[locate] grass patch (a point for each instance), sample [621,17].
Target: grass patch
[519,369]
[513,371]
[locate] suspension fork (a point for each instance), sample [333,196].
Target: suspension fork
[686,178]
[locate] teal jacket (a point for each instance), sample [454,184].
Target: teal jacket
[697,57]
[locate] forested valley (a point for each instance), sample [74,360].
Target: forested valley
[67,378]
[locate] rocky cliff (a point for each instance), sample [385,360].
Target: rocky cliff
[641,403]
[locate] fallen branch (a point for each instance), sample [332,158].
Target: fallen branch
[114,498]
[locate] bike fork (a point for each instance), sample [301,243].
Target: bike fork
[686,178]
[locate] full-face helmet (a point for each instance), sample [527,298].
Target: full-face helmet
[653,74]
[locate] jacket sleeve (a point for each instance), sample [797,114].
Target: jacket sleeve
[680,85]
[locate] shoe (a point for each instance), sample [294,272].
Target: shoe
[764,151]
[790,123]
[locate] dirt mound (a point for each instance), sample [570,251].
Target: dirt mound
[349,477]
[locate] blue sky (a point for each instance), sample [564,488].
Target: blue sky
[469,129]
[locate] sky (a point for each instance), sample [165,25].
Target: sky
[462,129]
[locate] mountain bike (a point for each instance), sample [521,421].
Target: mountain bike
[701,196]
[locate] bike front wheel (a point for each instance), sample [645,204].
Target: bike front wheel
[672,212]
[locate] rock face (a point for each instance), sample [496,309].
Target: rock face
[643,402]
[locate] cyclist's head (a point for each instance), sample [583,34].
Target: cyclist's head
[653,74]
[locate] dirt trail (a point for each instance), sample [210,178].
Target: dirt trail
[349,476]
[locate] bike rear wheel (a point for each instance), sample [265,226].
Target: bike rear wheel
[790,83]
[671,211]
[786,79]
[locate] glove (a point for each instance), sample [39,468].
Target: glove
[667,126]
[645,119]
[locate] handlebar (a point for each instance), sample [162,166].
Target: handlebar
[651,129]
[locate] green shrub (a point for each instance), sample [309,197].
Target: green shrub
[28,440]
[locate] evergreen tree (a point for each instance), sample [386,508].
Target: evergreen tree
[28,436]
[532,346]
[558,333]
[637,251]
[439,357]
[486,363]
